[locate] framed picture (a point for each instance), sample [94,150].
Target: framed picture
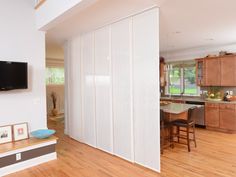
[5,134]
[20,131]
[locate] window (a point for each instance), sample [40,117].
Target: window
[55,76]
[181,78]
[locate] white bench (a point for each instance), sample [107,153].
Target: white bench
[23,154]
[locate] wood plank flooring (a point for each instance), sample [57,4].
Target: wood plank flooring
[215,156]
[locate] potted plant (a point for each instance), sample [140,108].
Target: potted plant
[54,102]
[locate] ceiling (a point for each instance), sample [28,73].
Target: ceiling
[197,23]
[184,24]
[98,14]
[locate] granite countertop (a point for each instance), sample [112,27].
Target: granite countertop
[197,99]
[177,108]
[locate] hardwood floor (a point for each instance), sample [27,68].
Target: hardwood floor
[215,156]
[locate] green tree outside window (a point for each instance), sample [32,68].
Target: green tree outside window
[55,76]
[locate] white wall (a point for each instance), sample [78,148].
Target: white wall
[20,41]
[113,88]
[54,51]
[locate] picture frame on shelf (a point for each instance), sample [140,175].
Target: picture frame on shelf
[5,134]
[20,131]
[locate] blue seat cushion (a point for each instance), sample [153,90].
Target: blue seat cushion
[43,133]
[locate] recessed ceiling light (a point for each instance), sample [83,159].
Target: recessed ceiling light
[209,39]
[177,32]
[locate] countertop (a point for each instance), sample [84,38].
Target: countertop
[196,99]
[177,108]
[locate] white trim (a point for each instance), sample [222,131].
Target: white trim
[27,148]
[27,164]
[54,62]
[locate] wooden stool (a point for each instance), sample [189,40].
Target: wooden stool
[188,128]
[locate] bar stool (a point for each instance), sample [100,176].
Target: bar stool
[166,139]
[189,128]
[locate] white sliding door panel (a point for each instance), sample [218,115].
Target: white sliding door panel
[146,99]
[89,125]
[121,70]
[74,93]
[103,89]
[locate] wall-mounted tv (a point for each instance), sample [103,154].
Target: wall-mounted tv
[13,75]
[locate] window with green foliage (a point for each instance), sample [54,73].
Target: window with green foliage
[54,76]
[181,78]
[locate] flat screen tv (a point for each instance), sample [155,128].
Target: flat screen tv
[13,75]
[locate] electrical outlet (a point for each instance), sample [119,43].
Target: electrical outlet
[18,156]
[231,92]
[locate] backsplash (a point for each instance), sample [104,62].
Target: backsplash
[231,90]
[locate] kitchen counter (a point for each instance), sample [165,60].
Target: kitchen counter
[177,108]
[196,99]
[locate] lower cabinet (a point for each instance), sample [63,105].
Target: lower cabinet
[227,117]
[221,117]
[212,116]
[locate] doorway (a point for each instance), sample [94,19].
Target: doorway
[55,87]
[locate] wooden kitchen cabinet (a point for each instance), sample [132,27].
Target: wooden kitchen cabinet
[212,72]
[228,71]
[227,117]
[221,117]
[217,71]
[200,72]
[212,117]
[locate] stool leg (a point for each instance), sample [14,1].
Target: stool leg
[188,142]
[171,136]
[178,133]
[194,138]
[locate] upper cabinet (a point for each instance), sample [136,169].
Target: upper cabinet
[212,70]
[217,71]
[228,71]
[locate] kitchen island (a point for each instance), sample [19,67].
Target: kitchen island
[177,110]
[218,115]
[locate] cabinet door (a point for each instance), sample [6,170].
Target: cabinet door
[227,117]
[228,67]
[121,84]
[88,96]
[212,72]
[200,72]
[212,115]
[146,107]
[103,90]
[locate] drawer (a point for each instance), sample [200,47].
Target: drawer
[227,106]
[212,105]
